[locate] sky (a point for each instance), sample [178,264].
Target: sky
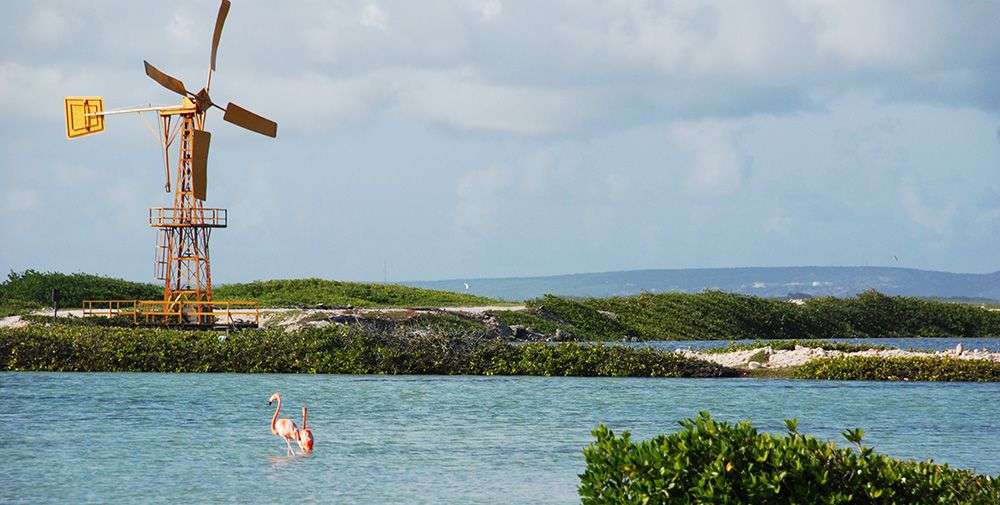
[489,138]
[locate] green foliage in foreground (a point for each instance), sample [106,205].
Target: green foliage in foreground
[716,315]
[721,463]
[311,292]
[900,369]
[401,349]
[34,289]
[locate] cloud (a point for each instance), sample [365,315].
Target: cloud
[936,220]
[779,223]
[183,33]
[716,167]
[48,27]
[30,91]
[19,200]
[487,9]
[460,99]
[372,16]
[480,194]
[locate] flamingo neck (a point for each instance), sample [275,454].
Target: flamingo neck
[275,418]
[303,418]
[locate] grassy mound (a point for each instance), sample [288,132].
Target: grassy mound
[714,315]
[721,463]
[296,292]
[31,290]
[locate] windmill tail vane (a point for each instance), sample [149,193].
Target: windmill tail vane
[183,230]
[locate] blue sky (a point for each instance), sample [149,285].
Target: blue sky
[483,138]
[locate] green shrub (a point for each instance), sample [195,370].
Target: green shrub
[579,319]
[15,306]
[905,369]
[721,463]
[388,349]
[33,286]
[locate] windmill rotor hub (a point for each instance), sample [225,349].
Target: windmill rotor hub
[202,100]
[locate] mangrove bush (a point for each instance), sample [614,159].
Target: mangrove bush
[709,461]
[392,349]
[900,369]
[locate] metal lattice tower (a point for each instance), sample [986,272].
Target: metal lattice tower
[182,259]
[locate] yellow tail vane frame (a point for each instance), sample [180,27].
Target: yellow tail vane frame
[84,115]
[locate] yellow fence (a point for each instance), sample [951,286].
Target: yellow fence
[176,313]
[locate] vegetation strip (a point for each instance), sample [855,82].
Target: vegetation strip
[709,461]
[32,290]
[334,349]
[715,315]
[899,369]
[710,315]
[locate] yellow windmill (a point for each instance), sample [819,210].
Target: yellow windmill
[183,230]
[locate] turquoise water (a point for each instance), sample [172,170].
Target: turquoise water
[163,438]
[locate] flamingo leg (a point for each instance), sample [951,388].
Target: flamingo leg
[290,451]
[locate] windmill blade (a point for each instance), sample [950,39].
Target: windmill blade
[242,117]
[199,162]
[219,21]
[165,80]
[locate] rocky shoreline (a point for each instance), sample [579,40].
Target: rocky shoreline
[766,357]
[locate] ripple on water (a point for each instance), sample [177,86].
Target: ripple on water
[420,439]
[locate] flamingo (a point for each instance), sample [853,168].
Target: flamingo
[305,439]
[284,428]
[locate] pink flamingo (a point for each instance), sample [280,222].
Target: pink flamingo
[305,438]
[283,428]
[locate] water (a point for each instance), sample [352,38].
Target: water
[164,438]
[922,344]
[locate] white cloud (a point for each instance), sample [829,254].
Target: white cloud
[716,167]
[487,9]
[183,34]
[19,199]
[936,220]
[372,16]
[460,99]
[48,27]
[28,91]
[480,194]
[779,223]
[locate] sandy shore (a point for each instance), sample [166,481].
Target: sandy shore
[800,355]
[292,319]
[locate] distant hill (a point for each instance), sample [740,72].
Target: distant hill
[792,282]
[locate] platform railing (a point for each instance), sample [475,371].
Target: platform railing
[174,216]
[177,313]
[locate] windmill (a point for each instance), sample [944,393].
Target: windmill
[183,230]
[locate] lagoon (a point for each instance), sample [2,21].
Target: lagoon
[162,438]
